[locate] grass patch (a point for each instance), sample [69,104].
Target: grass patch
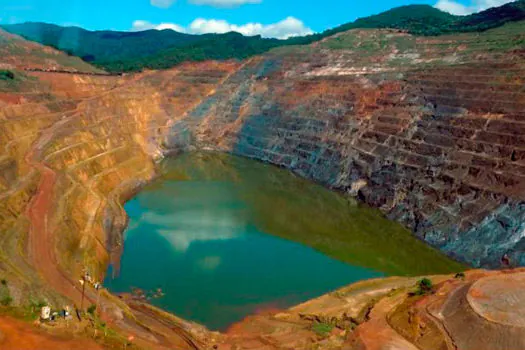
[107,336]
[28,312]
[322,329]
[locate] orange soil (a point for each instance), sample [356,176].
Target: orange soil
[41,238]
[18,335]
[10,98]
[41,248]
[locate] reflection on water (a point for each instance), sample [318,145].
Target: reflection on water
[218,234]
[181,229]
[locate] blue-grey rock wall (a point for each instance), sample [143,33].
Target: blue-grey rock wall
[376,138]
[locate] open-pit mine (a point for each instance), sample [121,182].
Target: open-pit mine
[365,191]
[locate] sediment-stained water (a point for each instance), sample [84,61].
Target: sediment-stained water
[224,237]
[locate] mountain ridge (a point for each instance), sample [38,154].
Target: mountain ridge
[117,51]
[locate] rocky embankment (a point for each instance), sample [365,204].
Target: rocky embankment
[430,130]
[479,310]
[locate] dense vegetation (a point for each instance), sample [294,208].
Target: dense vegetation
[6,75]
[427,20]
[213,46]
[101,45]
[132,51]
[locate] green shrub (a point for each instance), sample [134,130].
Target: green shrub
[91,309]
[424,286]
[460,275]
[38,304]
[35,306]
[4,282]
[6,301]
[6,75]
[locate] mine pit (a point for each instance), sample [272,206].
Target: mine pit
[217,238]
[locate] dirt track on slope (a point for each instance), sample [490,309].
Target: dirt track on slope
[42,254]
[19,335]
[41,238]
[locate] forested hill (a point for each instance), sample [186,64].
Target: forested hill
[102,45]
[131,51]
[427,20]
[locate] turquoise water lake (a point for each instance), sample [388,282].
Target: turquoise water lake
[225,237]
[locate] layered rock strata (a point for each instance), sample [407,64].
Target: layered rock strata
[429,130]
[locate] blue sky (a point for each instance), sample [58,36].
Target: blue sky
[271,18]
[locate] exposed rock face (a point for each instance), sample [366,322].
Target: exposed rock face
[100,139]
[430,130]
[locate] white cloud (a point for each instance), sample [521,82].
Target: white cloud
[140,25]
[457,8]
[284,29]
[452,7]
[203,26]
[162,3]
[224,3]
[181,240]
[182,229]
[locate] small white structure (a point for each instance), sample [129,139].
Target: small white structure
[45,313]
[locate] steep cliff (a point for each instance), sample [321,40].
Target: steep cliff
[430,129]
